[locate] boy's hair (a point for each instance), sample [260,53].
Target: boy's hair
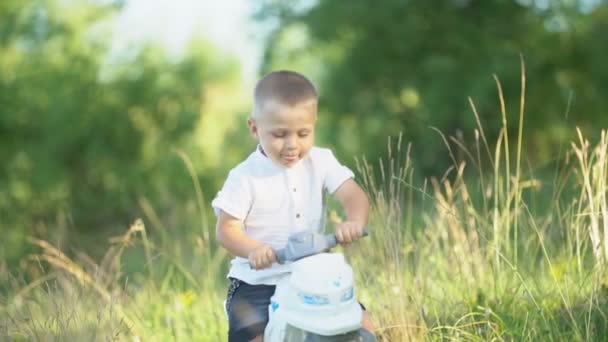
[284,86]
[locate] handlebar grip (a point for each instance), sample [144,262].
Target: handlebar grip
[331,240]
[280,254]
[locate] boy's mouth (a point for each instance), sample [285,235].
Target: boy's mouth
[290,158]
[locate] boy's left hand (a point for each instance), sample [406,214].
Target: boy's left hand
[348,231]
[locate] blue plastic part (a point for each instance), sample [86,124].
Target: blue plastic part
[347,295]
[274,306]
[312,299]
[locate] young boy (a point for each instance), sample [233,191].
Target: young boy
[276,192]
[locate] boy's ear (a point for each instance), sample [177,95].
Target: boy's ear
[253,128]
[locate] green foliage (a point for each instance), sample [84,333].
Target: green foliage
[85,133]
[404,66]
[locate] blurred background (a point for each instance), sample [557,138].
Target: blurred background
[110,110]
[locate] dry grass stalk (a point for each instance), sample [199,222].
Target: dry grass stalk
[105,279]
[593,173]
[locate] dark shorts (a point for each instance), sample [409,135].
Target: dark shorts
[247,307]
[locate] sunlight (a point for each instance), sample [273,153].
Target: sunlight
[226,24]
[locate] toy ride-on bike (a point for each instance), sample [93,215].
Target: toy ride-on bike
[316,301]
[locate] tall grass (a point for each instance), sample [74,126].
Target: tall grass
[464,257]
[481,264]
[170,299]
[441,280]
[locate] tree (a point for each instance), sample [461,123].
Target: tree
[83,134]
[404,66]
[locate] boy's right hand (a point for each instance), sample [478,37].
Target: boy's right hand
[262,257]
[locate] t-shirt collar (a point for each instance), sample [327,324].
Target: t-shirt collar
[267,162]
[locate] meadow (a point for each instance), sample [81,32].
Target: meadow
[516,253]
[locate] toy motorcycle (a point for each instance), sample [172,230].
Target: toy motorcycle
[316,301]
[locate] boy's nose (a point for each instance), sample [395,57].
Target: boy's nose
[291,142]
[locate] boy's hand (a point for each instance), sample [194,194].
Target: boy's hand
[348,231]
[262,257]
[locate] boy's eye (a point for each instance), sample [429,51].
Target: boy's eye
[278,134]
[303,134]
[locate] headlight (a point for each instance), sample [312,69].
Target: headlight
[347,295]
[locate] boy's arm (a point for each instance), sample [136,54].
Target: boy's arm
[356,205]
[229,234]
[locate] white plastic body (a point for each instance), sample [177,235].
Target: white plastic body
[318,296]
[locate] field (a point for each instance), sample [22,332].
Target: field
[471,256]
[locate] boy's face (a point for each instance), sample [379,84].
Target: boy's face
[286,133]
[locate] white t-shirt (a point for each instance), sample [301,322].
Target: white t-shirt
[275,201]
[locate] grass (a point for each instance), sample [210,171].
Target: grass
[456,275]
[466,257]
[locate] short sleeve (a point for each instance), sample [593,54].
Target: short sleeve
[235,197]
[335,173]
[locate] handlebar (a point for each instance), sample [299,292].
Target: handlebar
[303,244]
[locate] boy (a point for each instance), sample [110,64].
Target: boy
[276,192]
